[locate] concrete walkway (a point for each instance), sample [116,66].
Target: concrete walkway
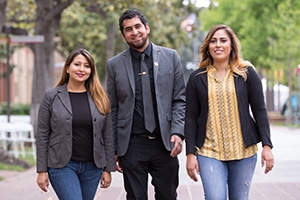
[283,183]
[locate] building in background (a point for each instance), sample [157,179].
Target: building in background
[21,77]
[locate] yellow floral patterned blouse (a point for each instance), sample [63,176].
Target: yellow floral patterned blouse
[224,139]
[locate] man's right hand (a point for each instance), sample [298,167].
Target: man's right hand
[118,166]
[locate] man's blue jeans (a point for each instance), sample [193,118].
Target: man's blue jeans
[75,181]
[218,176]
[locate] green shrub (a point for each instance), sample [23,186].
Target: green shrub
[15,109]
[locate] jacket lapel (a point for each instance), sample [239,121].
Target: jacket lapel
[64,97]
[203,77]
[156,61]
[129,69]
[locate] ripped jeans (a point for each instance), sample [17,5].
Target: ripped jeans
[218,176]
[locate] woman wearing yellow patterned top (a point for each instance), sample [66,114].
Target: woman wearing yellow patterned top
[219,128]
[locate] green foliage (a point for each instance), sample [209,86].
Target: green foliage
[2,52]
[21,14]
[268,30]
[80,28]
[15,109]
[164,18]
[4,166]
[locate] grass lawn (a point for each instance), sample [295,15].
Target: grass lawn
[11,167]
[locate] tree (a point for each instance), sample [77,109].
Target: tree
[2,13]
[2,22]
[8,26]
[261,26]
[92,24]
[98,29]
[285,48]
[39,17]
[48,16]
[268,31]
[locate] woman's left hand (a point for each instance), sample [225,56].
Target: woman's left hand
[267,158]
[105,179]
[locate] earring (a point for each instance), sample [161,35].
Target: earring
[207,53]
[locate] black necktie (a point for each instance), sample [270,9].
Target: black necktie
[147,97]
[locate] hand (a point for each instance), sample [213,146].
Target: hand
[177,141]
[267,158]
[43,181]
[118,166]
[105,179]
[192,166]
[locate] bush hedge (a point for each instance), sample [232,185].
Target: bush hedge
[15,109]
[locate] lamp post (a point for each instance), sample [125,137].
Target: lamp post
[16,31]
[7,30]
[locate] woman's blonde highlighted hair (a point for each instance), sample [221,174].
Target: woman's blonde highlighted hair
[236,63]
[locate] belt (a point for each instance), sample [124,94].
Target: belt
[150,137]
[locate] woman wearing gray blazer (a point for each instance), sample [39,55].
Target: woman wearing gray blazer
[74,137]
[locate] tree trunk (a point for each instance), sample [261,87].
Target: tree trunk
[2,13]
[109,46]
[110,34]
[47,23]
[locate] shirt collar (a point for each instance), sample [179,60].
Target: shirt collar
[147,51]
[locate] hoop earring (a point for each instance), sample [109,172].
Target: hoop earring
[208,53]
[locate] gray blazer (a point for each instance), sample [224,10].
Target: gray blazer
[170,95]
[54,134]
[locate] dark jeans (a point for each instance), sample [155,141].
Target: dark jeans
[75,181]
[149,156]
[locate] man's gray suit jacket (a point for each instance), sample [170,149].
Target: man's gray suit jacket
[170,95]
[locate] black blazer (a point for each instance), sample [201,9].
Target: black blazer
[255,126]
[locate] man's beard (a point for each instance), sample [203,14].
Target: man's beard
[139,46]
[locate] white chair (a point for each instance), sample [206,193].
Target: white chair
[8,136]
[25,134]
[17,134]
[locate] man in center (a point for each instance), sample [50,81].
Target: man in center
[147,92]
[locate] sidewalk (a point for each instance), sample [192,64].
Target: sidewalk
[282,183]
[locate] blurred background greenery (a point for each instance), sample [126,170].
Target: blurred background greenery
[269,32]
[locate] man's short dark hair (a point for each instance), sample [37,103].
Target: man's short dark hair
[129,14]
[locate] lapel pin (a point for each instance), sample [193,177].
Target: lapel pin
[142,73]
